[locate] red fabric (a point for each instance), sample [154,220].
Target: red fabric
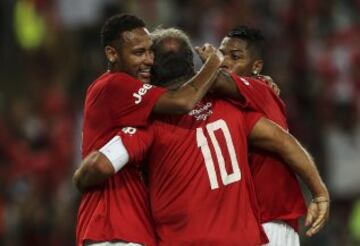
[117,210]
[110,104]
[185,208]
[277,188]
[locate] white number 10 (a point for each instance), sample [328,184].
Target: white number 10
[202,142]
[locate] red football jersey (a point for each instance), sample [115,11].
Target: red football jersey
[118,209]
[279,198]
[200,185]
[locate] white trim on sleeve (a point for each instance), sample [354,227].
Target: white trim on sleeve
[116,152]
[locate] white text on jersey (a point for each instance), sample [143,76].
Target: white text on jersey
[202,112]
[142,91]
[129,130]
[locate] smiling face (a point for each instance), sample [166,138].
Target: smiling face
[238,57]
[132,54]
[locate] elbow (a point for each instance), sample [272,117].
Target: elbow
[291,152]
[280,143]
[76,180]
[181,106]
[93,170]
[283,146]
[98,164]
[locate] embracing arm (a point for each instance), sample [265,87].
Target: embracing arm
[94,170]
[227,87]
[102,164]
[268,135]
[186,97]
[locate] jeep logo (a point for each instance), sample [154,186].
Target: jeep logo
[142,91]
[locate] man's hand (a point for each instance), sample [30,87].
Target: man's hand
[270,82]
[207,50]
[185,98]
[317,214]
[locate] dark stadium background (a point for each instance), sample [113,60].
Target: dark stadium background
[50,52]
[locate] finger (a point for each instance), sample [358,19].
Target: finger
[310,232]
[268,78]
[323,212]
[316,227]
[314,230]
[318,224]
[310,215]
[320,220]
[277,90]
[260,76]
[209,46]
[309,218]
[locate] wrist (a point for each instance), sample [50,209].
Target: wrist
[320,199]
[321,196]
[319,190]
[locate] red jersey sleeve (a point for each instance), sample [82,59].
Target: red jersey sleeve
[130,100]
[259,96]
[137,142]
[251,118]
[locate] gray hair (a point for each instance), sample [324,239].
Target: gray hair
[161,34]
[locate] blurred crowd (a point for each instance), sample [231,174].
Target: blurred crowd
[50,52]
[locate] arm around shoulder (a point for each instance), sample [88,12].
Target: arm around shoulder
[268,135]
[94,170]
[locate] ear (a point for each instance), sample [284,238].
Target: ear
[111,54]
[257,67]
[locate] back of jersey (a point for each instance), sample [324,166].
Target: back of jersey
[200,184]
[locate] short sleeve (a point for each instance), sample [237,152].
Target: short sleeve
[137,142]
[257,94]
[130,101]
[261,98]
[251,118]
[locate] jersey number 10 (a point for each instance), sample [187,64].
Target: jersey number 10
[203,144]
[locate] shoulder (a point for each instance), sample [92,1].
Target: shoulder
[96,88]
[117,84]
[256,83]
[116,80]
[120,76]
[260,89]
[250,86]
[109,85]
